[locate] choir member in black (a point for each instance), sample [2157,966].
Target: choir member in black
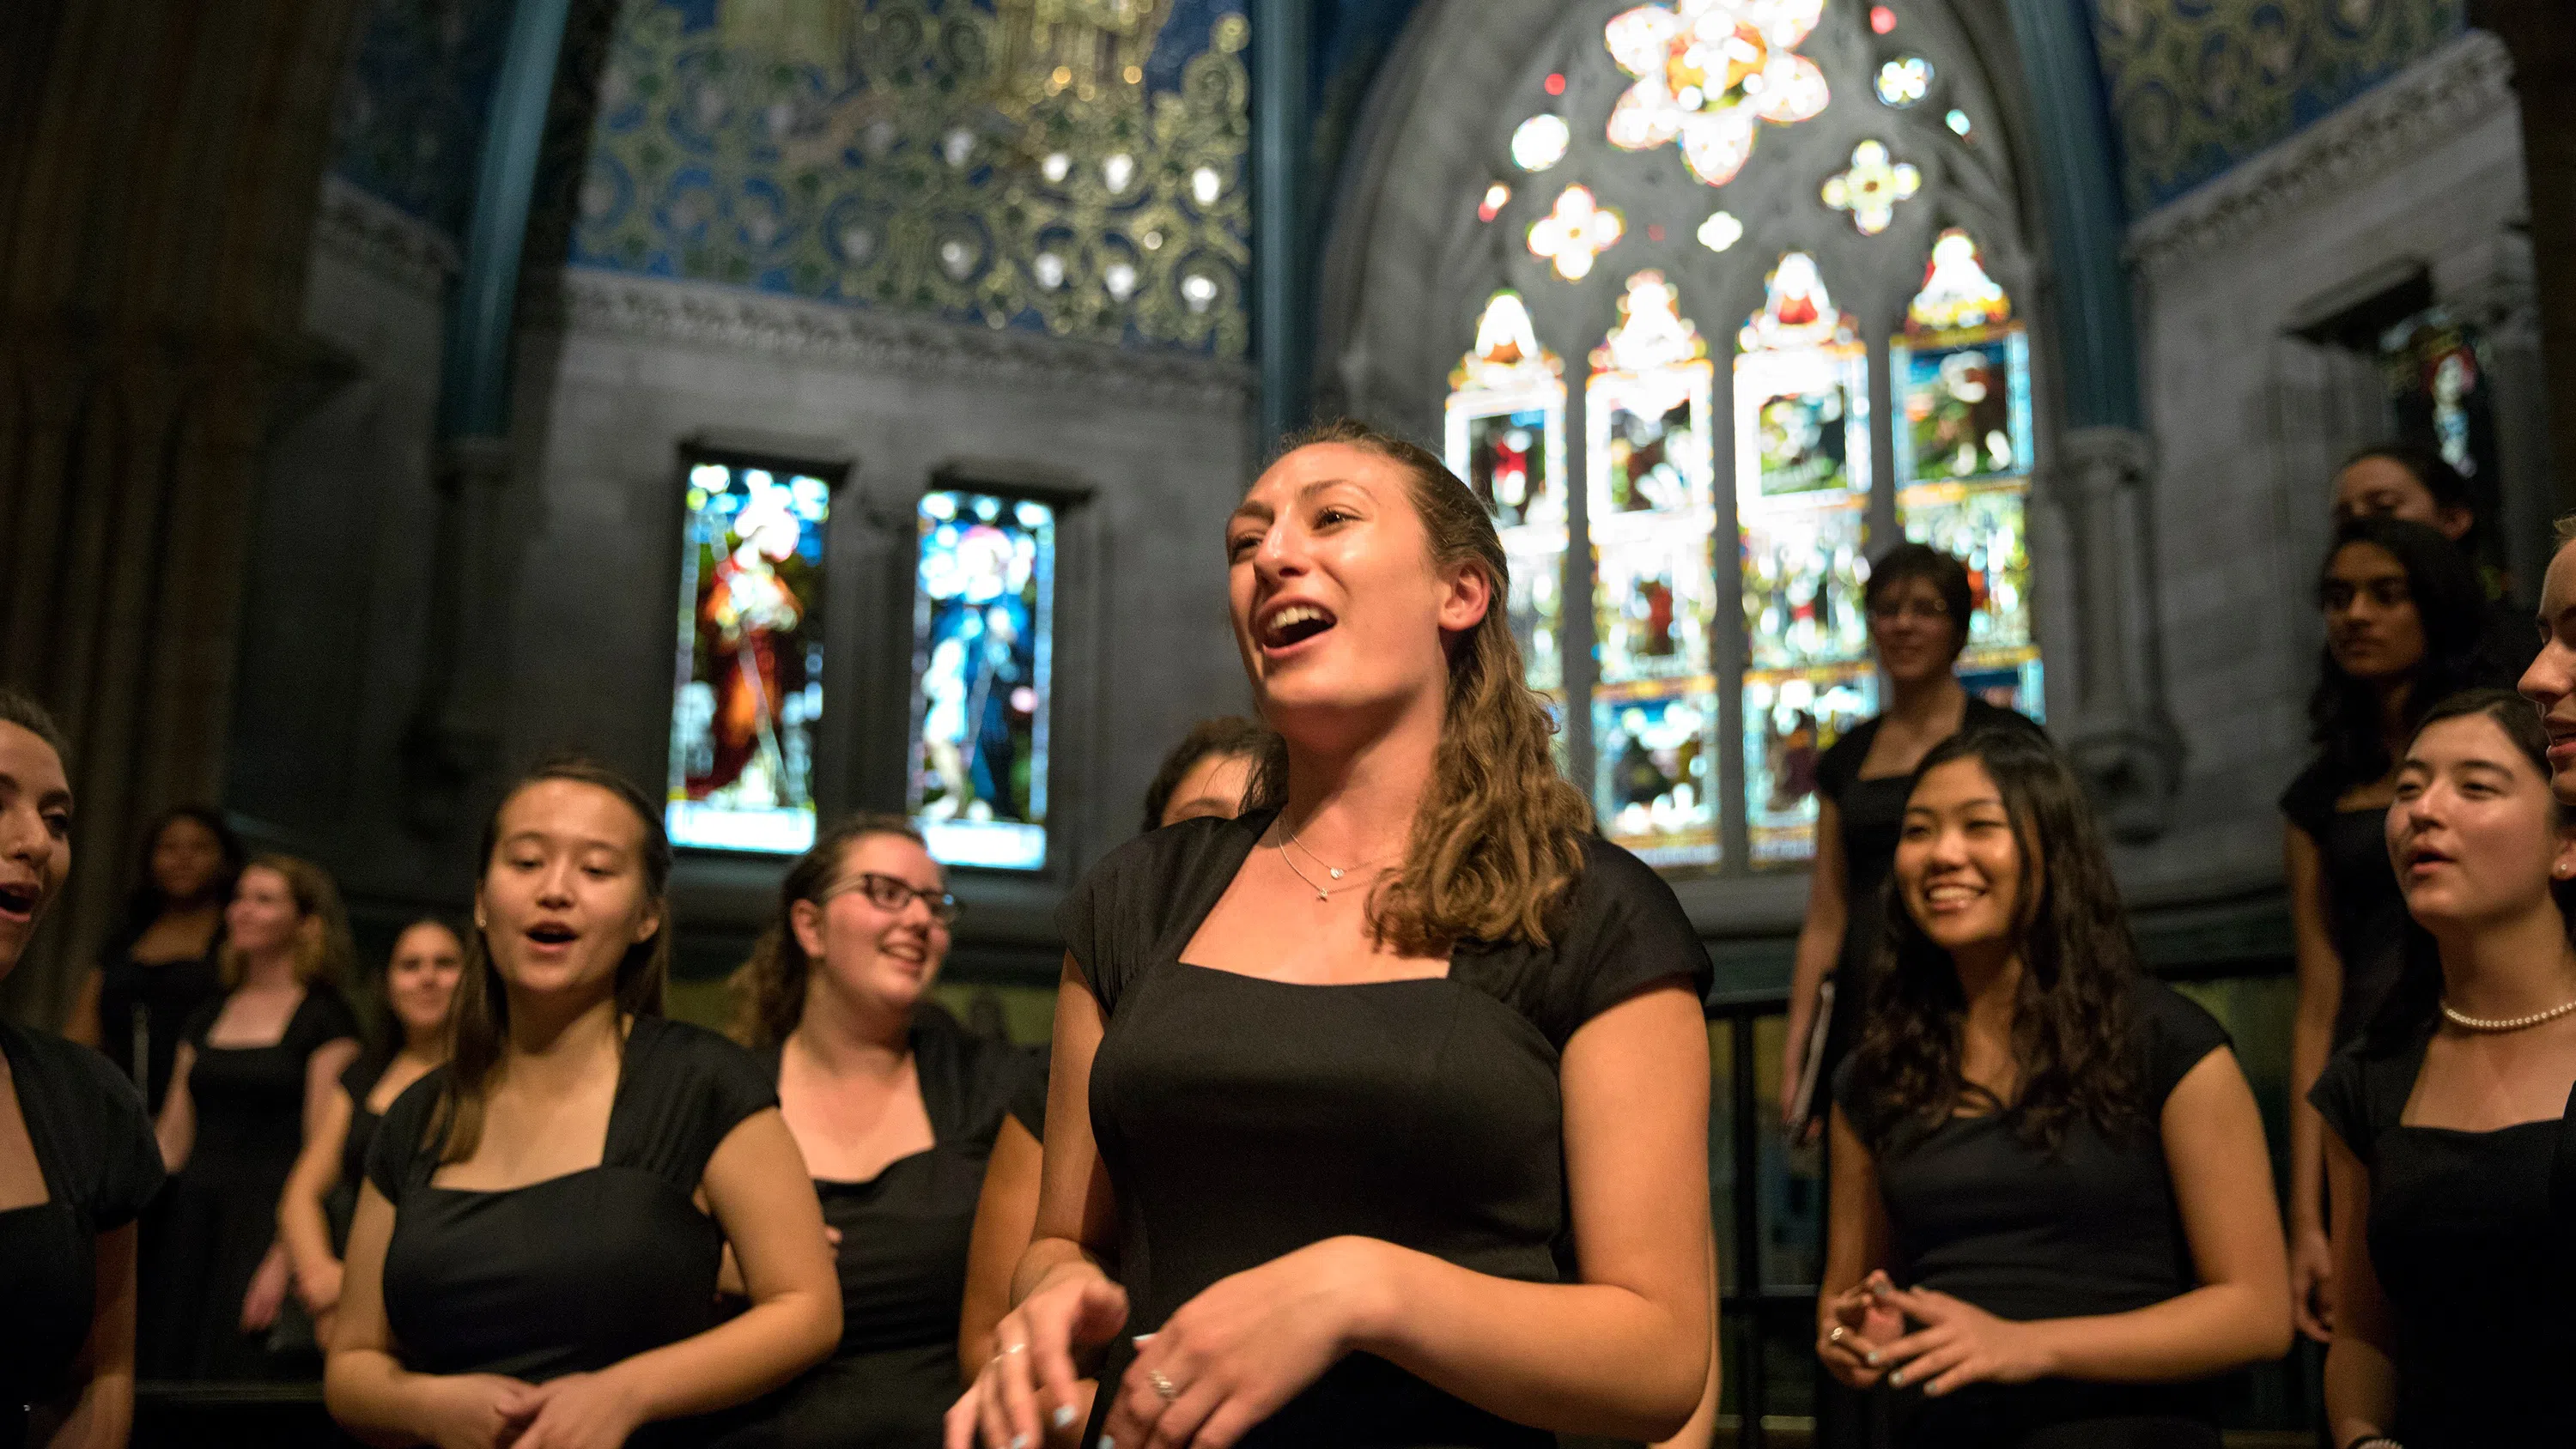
[535,1252]
[161,965]
[254,1069]
[77,1161]
[1918,600]
[896,1108]
[2052,1206]
[2444,1117]
[2550,682]
[2402,613]
[1207,772]
[313,1214]
[1378,1115]
[2417,484]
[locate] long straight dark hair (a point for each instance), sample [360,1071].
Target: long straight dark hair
[2343,712]
[479,1022]
[2415,998]
[2072,1012]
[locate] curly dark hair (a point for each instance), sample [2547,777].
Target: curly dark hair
[2415,997]
[1226,736]
[769,988]
[2343,712]
[2072,1013]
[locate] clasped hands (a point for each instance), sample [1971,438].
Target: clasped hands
[1221,1364]
[1862,1338]
[491,1411]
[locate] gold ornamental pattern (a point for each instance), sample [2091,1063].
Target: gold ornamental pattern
[1012,168]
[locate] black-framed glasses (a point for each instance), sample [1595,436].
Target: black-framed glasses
[892,893]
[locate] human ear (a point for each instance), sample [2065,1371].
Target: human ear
[2456,521]
[649,922]
[1469,594]
[806,919]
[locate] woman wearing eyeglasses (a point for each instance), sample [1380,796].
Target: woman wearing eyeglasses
[896,1108]
[1919,601]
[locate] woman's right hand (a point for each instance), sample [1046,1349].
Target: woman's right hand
[1032,1383]
[2312,1283]
[1792,1066]
[477,1411]
[318,1287]
[1855,1322]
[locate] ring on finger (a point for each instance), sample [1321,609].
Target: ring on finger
[1164,1388]
[1838,1335]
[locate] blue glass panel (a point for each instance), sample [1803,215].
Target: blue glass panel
[1967,410]
[1791,717]
[1987,529]
[984,632]
[750,687]
[1655,759]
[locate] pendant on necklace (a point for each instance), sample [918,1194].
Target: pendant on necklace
[1337,875]
[1323,895]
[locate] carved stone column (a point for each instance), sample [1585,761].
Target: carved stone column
[2120,735]
[454,739]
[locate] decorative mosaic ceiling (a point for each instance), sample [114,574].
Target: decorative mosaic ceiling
[410,114]
[1071,166]
[2196,86]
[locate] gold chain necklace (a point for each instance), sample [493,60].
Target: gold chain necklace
[1322,892]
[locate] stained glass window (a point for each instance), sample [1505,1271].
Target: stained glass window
[1653,513]
[984,636]
[750,686]
[1802,481]
[1715,680]
[1963,458]
[1506,436]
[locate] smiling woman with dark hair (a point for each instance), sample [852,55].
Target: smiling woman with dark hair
[2052,1207]
[77,1162]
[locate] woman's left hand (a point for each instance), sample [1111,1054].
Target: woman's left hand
[1960,1344]
[583,1411]
[267,1293]
[1230,1357]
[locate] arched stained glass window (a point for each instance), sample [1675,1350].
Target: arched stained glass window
[1963,455]
[1802,484]
[984,662]
[1651,501]
[1833,173]
[1505,434]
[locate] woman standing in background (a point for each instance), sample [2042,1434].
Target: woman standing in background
[1919,602]
[896,1109]
[313,1213]
[161,965]
[253,1071]
[2402,612]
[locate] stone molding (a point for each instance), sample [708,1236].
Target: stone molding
[2435,99]
[385,239]
[585,300]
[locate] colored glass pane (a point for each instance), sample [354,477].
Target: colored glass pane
[1707,71]
[1505,436]
[1574,233]
[984,631]
[750,686]
[1903,82]
[1540,142]
[1871,188]
[1651,490]
[1802,482]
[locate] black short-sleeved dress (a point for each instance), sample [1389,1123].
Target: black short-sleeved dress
[2365,913]
[144,1009]
[222,1214]
[904,1236]
[100,1166]
[1981,1216]
[1241,1119]
[1871,811]
[359,1081]
[2462,1233]
[577,1272]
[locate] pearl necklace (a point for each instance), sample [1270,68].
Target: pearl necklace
[2504,1023]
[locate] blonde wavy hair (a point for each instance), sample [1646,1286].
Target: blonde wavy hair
[323,949]
[1497,844]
